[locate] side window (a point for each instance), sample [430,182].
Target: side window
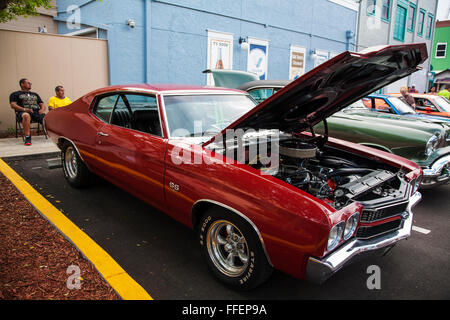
[422,104]
[382,106]
[121,116]
[145,115]
[428,104]
[105,107]
[261,94]
[419,103]
[367,102]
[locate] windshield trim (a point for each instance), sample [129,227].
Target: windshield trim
[201,92]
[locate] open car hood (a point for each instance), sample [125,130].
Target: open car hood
[331,87]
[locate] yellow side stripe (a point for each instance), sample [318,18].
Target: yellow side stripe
[125,286]
[134,173]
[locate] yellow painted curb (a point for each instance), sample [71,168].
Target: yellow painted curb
[125,286]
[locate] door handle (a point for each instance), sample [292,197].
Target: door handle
[102,134]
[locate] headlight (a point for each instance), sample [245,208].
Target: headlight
[431,145]
[350,226]
[335,236]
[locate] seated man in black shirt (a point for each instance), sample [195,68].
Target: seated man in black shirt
[29,107]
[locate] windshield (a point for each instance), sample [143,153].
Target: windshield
[401,106]
[442,103]
[200,114]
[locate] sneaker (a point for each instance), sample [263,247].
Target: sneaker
[28,140]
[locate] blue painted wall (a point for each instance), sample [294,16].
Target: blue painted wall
[169,42]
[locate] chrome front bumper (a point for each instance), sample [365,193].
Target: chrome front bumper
[319,270]
[438,174]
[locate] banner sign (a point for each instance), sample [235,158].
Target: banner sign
[220,52]
[297,62]
[257,61]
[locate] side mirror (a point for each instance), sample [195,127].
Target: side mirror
[428,110]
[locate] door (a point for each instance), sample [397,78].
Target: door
[131,147]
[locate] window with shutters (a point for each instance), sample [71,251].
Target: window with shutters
[400,23]
[371,6]
[411,17]
[430,25]
[421,22]
[385,10]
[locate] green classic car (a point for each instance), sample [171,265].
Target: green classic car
[425,142]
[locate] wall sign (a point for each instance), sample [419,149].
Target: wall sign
[297,62]
[320,57]
[220,52]
[257,60]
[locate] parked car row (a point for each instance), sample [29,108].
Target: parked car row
[318,206]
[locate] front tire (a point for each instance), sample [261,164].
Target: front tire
[232,250]
[75,171]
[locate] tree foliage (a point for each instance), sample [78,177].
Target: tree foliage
[10,9]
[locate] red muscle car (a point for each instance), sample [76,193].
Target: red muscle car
[261,189]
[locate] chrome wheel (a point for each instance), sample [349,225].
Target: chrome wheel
[227,248]
[70,163]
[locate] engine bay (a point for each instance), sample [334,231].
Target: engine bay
[334,176]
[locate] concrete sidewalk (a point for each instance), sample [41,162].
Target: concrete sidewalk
[14,147]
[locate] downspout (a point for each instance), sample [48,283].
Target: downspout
[109,57]
[433,29]
[146,40]
[389,35]
[348,36]
[358,24]
[390,23]
[414,32]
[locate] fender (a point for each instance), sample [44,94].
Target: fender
[376,146]
[219,204]
[61,138]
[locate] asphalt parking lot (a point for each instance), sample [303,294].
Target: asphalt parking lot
[162,255]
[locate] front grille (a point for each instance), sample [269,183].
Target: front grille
[365,232]
[371,215]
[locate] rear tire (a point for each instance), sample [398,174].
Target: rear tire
[232,250]
[75,171]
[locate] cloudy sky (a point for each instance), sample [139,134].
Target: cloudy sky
[443,12]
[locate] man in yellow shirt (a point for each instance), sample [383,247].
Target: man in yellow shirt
[60,100]
[445,92]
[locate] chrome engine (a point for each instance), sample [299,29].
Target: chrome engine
[334,179]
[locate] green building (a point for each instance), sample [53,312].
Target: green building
[440,59]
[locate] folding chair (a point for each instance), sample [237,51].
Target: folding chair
[20,129]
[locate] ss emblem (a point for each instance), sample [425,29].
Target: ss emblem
[174,187]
